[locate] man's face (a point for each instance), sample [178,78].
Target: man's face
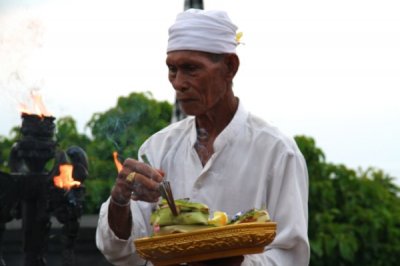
[199,82]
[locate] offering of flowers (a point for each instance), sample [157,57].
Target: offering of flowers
[195,216]
[195,235]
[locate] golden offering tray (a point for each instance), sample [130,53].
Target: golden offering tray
[206,244]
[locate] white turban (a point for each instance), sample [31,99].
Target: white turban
[207,31]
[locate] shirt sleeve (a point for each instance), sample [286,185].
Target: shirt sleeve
[120,251]
[287,204]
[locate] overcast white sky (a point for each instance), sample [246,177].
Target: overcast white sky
[325,69]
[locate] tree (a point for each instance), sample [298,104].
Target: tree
[5,148]
[354,217]
[67,134]
[126,126]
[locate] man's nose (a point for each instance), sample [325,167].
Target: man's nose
[180,82]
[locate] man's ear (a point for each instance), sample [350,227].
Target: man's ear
[232,62]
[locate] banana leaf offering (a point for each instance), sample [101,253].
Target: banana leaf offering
[195,216]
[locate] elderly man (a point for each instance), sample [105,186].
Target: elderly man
[221,155]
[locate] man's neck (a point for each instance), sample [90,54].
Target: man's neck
[214,121]
[210,125]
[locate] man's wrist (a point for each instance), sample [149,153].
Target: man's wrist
[120,219]
[119,203]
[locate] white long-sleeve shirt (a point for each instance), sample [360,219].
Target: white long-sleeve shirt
[253,166]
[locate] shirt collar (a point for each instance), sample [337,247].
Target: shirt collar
[233,129]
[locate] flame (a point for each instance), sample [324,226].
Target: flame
[37,107]
[65,179]
[117,162]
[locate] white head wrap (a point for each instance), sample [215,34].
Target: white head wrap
[199,30]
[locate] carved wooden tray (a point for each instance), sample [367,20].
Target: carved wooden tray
[205,244]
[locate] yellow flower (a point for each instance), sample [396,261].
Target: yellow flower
[219,219]
[239,36]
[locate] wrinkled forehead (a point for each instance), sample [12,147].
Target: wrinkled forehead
[187,56]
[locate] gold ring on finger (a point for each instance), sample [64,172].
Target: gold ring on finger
[131,177]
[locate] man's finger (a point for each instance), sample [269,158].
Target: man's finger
[143,169]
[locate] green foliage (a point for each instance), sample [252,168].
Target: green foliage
[97,191]
[67,134]
[5,148]
[354,217]
[125,127]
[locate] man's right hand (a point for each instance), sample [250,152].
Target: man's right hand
[138,181]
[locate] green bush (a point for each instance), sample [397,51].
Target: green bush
[354,217]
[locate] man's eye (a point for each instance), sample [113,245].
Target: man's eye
[190,67]
[172,69]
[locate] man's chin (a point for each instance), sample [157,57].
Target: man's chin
[189,109]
